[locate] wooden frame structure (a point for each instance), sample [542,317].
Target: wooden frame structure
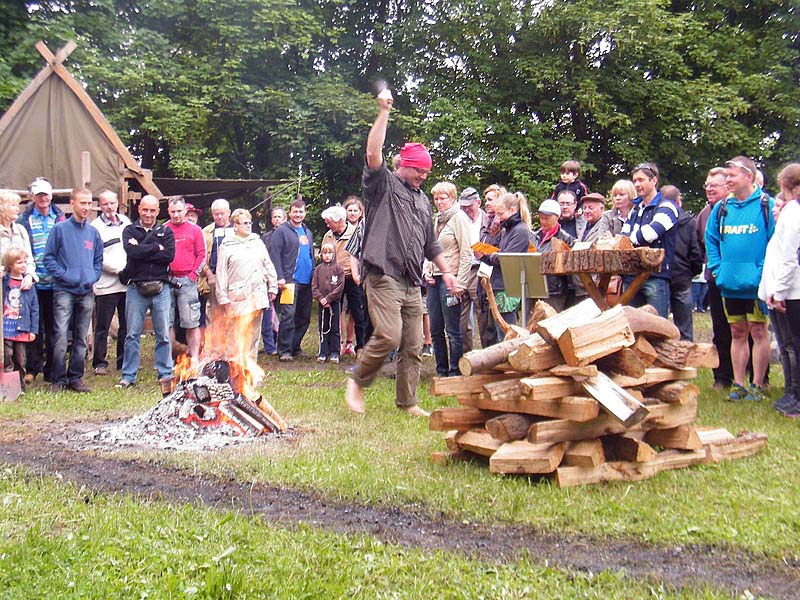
[127,166]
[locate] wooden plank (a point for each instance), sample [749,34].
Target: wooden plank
[584,453]
[572,408]
[554,327]
[677,392]
[460,418]
[478,441]
[624,362]
[544,388]
[676,354]
[485,359]
[655,375]
[661,415]
[590,340]
[745,444]
[644,350]
[568,371]
[628,448]
[683,437]
[616,400]
[628,471]
[499,391]
[714,435]
[509,427]
[650,325]
[541,311]
[526,458]
[535,354]
[450,440]
[450,386]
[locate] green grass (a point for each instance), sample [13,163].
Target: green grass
[384,458]
[59,541]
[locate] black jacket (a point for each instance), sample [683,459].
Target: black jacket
[688,259]
[514,237]
[146,261]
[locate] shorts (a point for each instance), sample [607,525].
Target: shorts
[188,302]
[738,310]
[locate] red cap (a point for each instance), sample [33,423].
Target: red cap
[190,208]
[415,155]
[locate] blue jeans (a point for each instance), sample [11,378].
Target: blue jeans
[444,319]
[681,302]
[654,292]
[76,310]
[267,333]
[136,307]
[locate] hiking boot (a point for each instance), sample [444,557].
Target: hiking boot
[737,393]
[80,387]
[793,410]
[784,402]
[56,388]
[427,350]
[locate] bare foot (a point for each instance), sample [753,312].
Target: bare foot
[416,411]
[354,397]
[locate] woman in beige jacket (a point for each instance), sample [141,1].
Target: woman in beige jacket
[452,226]
[246,284]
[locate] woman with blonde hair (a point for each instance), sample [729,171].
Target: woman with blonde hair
[514,216]
[452,227]
[246,284]
[622,196]
[14,235]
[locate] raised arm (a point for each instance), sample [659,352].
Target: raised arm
[377,135]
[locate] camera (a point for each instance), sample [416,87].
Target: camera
[175,282]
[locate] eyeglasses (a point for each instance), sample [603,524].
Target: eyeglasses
[421,171]
[739,165]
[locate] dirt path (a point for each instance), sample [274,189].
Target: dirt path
[723,569]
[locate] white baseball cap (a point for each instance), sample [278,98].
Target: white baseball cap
[41,186]
[550,207]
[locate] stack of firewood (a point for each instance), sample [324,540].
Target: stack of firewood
[586,395]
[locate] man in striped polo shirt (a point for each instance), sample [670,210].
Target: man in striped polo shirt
[652,223]
[39,218]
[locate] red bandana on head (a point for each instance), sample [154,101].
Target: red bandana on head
[416,156]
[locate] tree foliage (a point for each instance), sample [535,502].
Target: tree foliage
[503,92]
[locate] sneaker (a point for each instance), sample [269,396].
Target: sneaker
[322,359]
[755,394]
[29,378]
[124,384]
[286,357]
[100,371]
[792,411]
[737,393]
[348,349]
[80,387]
[334,359]
[427,350]
[784,402]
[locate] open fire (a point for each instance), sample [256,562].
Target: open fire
[212,403]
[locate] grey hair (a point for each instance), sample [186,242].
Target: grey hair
[334,213]
[220,204]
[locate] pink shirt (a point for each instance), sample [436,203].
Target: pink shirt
[190,250]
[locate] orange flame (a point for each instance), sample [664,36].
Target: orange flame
[184,369]
[235,338]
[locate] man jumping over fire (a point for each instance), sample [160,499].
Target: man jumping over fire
[398,235]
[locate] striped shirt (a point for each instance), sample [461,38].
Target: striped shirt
[653,225]
[41,226]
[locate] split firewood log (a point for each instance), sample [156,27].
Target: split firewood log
[676,354]
[650,325]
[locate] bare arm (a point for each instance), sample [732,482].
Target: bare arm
[377,135]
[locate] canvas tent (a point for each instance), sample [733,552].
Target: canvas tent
[48,128]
